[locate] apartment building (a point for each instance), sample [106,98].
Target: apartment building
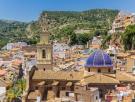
[122,20]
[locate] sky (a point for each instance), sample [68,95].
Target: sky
[29,10]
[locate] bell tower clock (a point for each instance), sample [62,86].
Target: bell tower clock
[44,47]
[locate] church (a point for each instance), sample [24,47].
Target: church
[43,83]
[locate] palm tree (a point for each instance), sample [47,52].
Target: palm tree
[21,84]
[128,38]
[13,93]
[16,91]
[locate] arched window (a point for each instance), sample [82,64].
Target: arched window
[109,70]
[88,69]
[99,70]
[44,69]
[43,54]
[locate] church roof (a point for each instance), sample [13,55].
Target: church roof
[99,59]
[100,79]
[4,83]
[33,95]
[95,78]
[61,75]
[125,77]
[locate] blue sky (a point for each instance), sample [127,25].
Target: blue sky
[28,10]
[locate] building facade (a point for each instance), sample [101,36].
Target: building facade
[44,47]
[122,20]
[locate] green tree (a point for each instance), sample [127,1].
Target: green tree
[73,39]
[128,38]
[16,90]
[83,38]
[105,40]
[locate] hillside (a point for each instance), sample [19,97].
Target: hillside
[95,18]
[60,23]
[11,31]
[63,22]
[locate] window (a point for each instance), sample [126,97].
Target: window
[96,97]
[43,54]
[67,93]
[44,69]
[109,70]
[88,69]
[62,88]
[99,70]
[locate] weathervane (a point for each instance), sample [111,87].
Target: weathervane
[44,22]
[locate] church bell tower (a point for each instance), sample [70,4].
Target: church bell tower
[44,47]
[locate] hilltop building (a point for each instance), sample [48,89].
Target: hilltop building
[122,20]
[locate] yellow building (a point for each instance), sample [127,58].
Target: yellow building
[130,63]
[44,47]
[129,20]
[118,24]
[122,20]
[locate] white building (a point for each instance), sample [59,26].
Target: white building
[2,93]
[10,46]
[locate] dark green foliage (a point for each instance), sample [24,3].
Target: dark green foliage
[3,41]
[33,40]
[65,22]
[11,31]
[100,33]
[105,41]
[14,92]
[95,18]
[73,39]
[128,38]
[82,39]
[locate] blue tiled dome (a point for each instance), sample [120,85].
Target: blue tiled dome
[99,59]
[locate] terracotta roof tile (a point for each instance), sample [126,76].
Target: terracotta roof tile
[125,77]
[61,75]
[100,79]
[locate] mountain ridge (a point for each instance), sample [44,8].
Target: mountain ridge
[58,20]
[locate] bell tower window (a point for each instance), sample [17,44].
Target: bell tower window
[99,70]
[109,70]
[89,70]
[43,54]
